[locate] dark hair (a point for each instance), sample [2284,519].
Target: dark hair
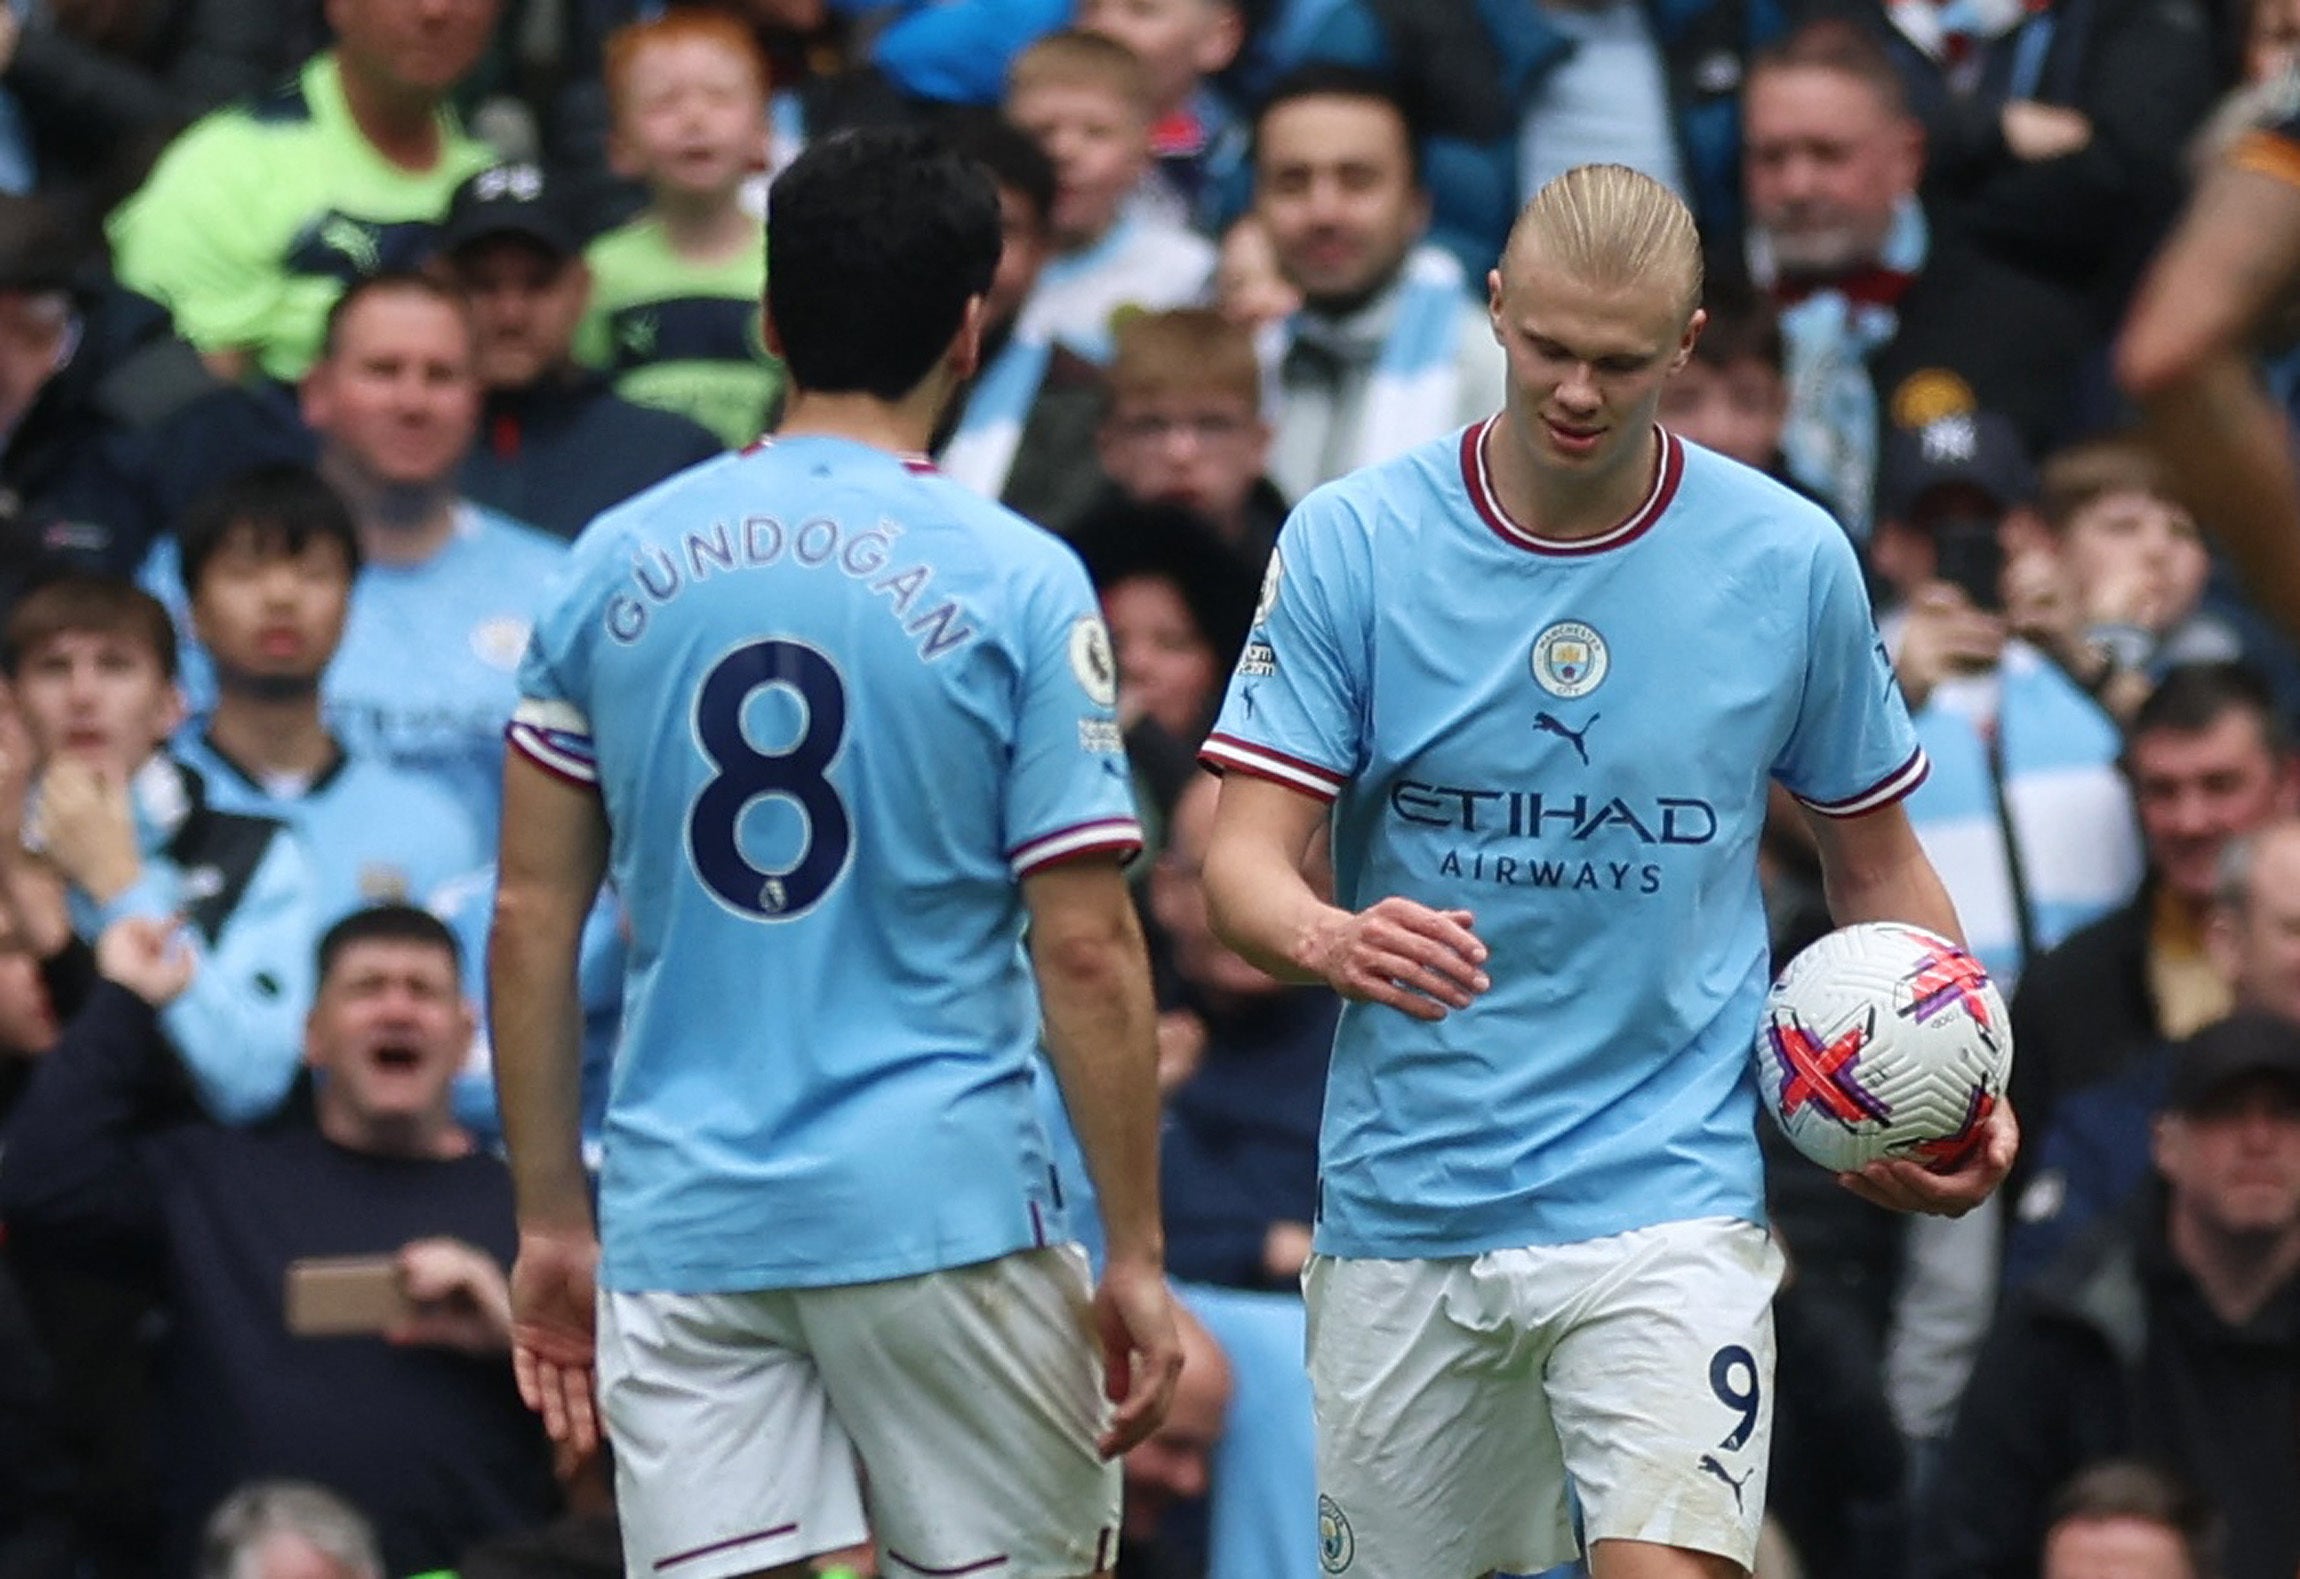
[1333,80]
[1012,156]
[2125,1489]
[876,239]
[77,603]
[2192,697]
[1122,539]
[391,923]
[1742,326]
[438,288]
[285,506]
[1834,43]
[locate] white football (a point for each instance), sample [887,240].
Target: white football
[1883,1040]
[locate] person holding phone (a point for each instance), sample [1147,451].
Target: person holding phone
[336,1280]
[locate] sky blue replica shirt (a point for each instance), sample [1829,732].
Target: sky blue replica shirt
[1572,741]
[837,706]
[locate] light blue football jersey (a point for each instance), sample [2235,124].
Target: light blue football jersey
[373,834]
[1572,742]
[837,706]
[427,671]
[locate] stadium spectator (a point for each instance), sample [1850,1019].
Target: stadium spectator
[1494,1341]
[285,1529]
[256,219]
[1238,1153]
[101,87]
[2209,761]
[2129,1520]
[2093,1152]
[1020,429]
[898,1316]
[1086,98]
[2171,1333]
[416,1421]
[674,316]
[440,611]
[1173,1466]
[126,829]
[2054,131]
[1184,427]
[1890,321]
[2004,726]
[109,423]
[556,446]
[269,562]
[1390,346]
[1506,97]
[1197,141]
[1732,396]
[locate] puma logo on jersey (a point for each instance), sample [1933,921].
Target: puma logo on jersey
[1710,1465]
[1551,724]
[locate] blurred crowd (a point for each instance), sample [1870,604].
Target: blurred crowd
[325,324]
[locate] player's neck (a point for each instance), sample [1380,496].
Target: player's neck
[2237,1274]
[900,427]
[401,126]
[705,228]
[271,736]
[1564,505]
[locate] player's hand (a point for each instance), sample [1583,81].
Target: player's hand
[1285,1251]
[554,1302]
[1900,1185]
[89,828]
[1944,635]
[1419,961]
[457,1298]
[148,957]
[1141,1350]
[1181,1049]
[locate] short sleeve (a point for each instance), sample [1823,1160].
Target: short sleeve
[1296,704]
[551,722]
[1069,791]
[1852,747]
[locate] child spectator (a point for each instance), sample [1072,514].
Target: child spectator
[1185,426]
[1196,141]
[1732,397]
[675,298]
[1087,101]
[127,829]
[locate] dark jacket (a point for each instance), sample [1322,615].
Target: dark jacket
[434,1446]
[1468,70]
[1055,475]
[2114,1353]
[2141,71]
[2082,1014]
[563,451]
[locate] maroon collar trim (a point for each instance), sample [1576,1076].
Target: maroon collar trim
[1479,480]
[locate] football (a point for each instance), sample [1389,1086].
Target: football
[1883,1040]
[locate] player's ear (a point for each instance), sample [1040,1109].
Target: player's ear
[966,346]
[1693,327]
[770,335]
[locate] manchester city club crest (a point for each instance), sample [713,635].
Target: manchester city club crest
[1336,1545]
[1569,659]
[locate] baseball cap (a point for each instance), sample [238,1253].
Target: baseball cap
[1978,448]
[509,200]
[2248,1042]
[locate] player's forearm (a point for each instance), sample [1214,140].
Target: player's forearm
[1101,1031]
[2229,454]
[1901,888]
[1264,908]
[536,1022]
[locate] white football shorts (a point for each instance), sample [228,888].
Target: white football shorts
[1465,1406]
[951,1416]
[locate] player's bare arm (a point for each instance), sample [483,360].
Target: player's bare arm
[2185,358]
[1873,869]
[1416,959]
[554,854]
[1093,974]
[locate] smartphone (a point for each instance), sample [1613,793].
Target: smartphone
[1969,555]
[338,1296]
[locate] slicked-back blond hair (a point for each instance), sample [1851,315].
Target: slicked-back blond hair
[1611,225]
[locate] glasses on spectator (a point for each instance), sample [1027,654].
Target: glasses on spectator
[1207,427]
